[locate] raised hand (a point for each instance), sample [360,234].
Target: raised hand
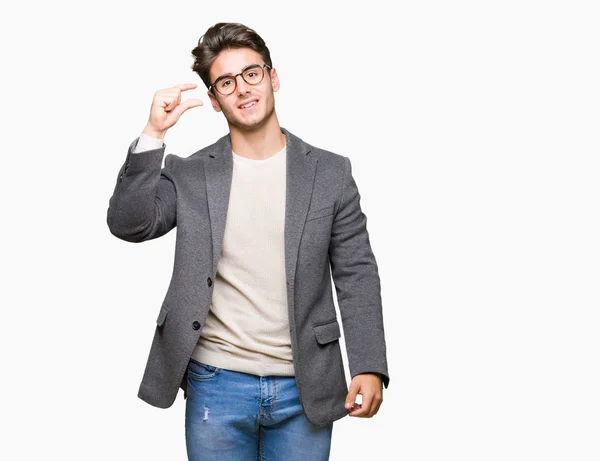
[167,108]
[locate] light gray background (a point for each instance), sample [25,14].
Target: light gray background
[484,220]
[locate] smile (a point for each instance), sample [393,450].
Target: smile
[249,105]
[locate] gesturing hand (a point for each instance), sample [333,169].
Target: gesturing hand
[167,108]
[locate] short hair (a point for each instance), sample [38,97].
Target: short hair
[223,36]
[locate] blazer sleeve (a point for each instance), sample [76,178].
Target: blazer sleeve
[144,202]
[356,279]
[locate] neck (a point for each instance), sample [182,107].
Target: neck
[260,143]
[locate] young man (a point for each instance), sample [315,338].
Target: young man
[248,327]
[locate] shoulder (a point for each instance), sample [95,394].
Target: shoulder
[325,156]
[328,156]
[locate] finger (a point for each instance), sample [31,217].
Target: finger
[367,403]
[186,86]
[351,397]
[180,109]
[355,408]
[194,102]
[358,410]
[368,406]
[169,104]
[377,406]
[377,401]
[352,392]
[360,413]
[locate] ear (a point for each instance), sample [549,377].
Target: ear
[274,79]
[214,102]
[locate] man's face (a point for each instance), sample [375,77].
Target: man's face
[232,62]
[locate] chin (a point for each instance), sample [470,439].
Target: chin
[250,124]
[247,125]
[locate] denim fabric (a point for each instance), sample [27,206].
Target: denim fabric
[235,416]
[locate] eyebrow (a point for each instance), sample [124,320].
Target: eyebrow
[230,75]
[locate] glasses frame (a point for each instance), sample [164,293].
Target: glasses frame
[251,66]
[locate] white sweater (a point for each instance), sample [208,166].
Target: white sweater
[247,327]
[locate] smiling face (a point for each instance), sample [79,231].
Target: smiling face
[252,118]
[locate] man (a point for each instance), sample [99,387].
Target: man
[248,327]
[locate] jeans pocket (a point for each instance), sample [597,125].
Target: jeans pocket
[201,371]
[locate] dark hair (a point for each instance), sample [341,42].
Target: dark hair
[223,36]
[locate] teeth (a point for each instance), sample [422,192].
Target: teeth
[249,104]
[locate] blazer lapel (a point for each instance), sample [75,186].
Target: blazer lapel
[301,168]
[218,170]
[300,173]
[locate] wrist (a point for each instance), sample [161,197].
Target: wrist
[155,134]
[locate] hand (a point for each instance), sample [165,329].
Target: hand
[167,108]
[370,386]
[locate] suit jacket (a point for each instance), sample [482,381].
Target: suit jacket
[325,236]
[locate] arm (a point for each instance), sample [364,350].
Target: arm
[356,278]
[144,202]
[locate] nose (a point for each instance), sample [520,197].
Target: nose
[241,85]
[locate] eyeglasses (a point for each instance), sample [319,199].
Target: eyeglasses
[253,75]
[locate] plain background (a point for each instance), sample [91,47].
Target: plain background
[473,132]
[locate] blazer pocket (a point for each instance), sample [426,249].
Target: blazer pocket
[320,213]
[162,315]
[327,332]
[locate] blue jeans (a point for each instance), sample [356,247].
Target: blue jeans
[234,416]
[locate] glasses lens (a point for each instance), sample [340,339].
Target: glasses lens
[226,85]
[253,75]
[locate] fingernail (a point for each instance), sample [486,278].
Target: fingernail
[348,405]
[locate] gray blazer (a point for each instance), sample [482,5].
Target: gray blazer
[325,235]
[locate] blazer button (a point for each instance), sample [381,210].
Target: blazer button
[209,281]
[196,325]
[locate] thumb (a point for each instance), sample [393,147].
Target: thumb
[351,397]
[181,108]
